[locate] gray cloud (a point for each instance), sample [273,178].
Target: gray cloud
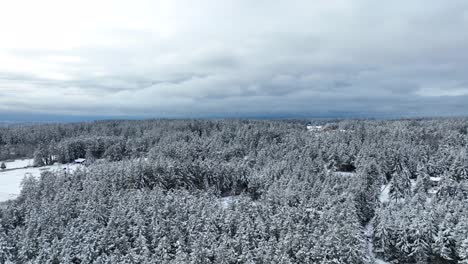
[247,58]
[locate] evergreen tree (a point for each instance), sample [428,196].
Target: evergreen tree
[444,243]
[400,185]
[463,251]
[459,168]
[5,248]
[423,182]
[366,196]
[39,159]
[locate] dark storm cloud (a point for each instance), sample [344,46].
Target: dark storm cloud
[243,58]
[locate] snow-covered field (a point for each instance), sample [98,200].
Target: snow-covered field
[20,163]
[10,180]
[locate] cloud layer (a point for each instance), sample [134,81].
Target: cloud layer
[234,58]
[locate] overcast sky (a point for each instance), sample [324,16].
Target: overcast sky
[234,58]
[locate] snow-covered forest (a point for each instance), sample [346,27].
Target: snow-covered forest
[239,191]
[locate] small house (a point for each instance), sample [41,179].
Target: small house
[80,161]
[435,181]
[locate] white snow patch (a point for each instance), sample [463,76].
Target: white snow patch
[345,174]
[368,231]
[19,163]
[10,180]
[314,128]
[227,201]
[380,261]
[413,184]
[384,196]
[433,191]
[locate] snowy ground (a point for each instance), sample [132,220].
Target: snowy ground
[385,193]
[379,261]
[20,163]
[413,184]
[10,180]
[368,232]
[227,201]
[345,174]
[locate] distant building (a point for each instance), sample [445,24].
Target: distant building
[314,128]
[325,128]
[435,181]
[80,161]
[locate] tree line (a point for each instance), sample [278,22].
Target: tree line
[240,191]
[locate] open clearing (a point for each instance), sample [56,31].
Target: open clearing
[10,179]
